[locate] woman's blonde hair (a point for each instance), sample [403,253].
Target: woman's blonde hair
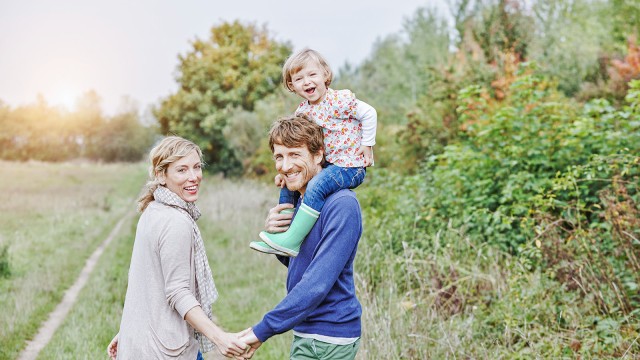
[167,151]
[299,60]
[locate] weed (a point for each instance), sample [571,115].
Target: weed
[5,268]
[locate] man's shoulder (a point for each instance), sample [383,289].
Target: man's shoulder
[342,210]
[342,198]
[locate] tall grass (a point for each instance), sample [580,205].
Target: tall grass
[442,295]
[52,217]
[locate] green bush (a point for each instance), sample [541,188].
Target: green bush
[488,182]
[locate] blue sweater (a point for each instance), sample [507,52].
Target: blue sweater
[321,295]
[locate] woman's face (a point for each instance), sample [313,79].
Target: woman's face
[183,177]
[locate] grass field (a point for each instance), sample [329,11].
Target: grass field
[52,217]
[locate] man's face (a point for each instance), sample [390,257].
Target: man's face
[296,165]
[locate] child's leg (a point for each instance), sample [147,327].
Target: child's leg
[329,180]
[288,197]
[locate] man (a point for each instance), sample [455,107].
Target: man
[321,305]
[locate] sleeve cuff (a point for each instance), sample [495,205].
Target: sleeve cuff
[262,331]
[185,304]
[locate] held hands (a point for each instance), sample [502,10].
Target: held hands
[230,345]
[276,222]
[250,339]
[367,153]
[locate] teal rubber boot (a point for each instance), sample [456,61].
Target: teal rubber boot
[263,247]
[289,241]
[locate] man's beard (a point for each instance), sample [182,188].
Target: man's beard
[306,174]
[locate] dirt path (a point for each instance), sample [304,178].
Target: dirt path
[58,315]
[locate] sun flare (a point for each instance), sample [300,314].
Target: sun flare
[65,96]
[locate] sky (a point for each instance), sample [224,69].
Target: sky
[118,48]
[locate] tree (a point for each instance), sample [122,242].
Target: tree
[123,137]
[397,72]
[233,69]
[569,39]
[89,122]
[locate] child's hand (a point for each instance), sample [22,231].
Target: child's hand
[279,180]
[367,153]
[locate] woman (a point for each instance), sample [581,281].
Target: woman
[167,308]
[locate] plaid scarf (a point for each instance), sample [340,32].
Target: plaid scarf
[206,292]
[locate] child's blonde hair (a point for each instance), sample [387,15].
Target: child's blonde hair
[299,60]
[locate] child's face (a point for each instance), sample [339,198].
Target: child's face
[309,83]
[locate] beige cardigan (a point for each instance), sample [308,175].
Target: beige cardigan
[161,288]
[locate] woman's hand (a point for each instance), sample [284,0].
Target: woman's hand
[112,349]
[277,222]
[227,344]
[230,345]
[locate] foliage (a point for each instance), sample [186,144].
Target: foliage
[124,138]
[623,71]
[42,132]
[439,294]
[5,268]
[230,71]
[499,27]
[572,39]
[512,151]
[247,131]
[399,68]
[590,241]
[527,225]
[626,19]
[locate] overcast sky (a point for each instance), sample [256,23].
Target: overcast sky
[66,47]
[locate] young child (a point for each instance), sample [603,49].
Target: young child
[349,127]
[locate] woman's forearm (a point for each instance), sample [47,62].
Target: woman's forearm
[199,321]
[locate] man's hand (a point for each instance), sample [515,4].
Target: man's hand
[247,336]
[279,181]
[276,222]
[112,349]
[367,153]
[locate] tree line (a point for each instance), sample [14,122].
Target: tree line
[48,133]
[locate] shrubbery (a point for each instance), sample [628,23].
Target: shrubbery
[490,181]
[528,222]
